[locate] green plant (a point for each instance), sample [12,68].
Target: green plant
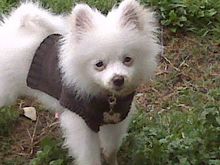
[175,138]
[199,16]
[60,6]
[103,5]
[51,153]
[8,118]
[6,5]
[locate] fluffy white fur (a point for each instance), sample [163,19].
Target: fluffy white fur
[20,35]
[89,37]
[105,38]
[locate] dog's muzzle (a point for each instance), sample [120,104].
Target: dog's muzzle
[118,81]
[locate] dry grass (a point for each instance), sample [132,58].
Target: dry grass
[25,138]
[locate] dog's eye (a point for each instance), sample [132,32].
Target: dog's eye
[128,61]
[100,66]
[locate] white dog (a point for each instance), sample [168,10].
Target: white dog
[97,63]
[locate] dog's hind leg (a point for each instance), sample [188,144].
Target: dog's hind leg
[82,142]
[7,95]
[6,100]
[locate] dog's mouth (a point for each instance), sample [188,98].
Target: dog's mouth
[118,89]
[122,91]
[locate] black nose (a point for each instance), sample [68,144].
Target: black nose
[118,81]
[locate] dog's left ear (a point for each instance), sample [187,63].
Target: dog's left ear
[132,15]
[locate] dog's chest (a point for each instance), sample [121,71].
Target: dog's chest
[44,75]
[96,111]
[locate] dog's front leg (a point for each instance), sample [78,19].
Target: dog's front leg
[111,138]
[82,142]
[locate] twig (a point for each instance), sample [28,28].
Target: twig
[44,131]
[33,136]
[167,60]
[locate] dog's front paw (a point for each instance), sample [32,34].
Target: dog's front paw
[109,158]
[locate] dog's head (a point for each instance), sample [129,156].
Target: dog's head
[113,53]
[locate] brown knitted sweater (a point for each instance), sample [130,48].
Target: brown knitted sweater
[44,75]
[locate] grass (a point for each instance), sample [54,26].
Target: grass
[178,122]
[8,118]
[189,15]
[182,123]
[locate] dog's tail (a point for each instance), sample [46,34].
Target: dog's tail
[31,16]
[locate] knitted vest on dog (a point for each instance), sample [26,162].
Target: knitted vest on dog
[44,75]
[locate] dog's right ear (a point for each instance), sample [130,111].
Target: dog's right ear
[82,15]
